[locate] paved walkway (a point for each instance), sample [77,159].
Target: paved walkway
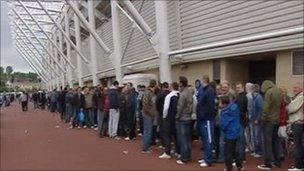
[37,140]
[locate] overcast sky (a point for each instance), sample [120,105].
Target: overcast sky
[9,56]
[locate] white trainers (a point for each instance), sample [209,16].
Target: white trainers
[85,126]
[127,139]
[204,164]
[257,156]
[295,169]
[164,156]
[201,161]
[180,162]
[96,129]
[116,138]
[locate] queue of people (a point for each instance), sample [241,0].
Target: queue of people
[229,123]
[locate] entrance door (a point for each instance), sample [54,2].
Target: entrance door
[262,70]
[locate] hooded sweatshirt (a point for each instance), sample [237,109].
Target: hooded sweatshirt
[230,121]
[272,102]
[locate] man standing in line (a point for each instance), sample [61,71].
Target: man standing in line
[242,102]
[270,118]
[114,110]
[183,120]
[149,112]
[206,119]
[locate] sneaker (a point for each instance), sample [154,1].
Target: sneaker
[92,127]
[177,155]
[264,167]
[164,156]
[295,169]
[160,147]
[201,161]
[146,152]
[78,127]
[140,134]
[252,154]
[127,139]
[116,138]
[257,156]
[180,162]
[96,129]
[204,164]
[85,126]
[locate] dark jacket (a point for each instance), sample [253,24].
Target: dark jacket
[184,105]
[172,109]
[97,100]
[205,103]
[149,103]
[160,100]
[113,97]
[69,98]
[230,121]
[242,101]
[78,100]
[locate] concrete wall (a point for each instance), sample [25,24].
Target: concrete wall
[192,71]
[233,71]
[284,75]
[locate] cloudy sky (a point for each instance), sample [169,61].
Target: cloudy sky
[9,56]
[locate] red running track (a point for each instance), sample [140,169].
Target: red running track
[31,141]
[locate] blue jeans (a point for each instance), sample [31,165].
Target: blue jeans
[271,142]
[298,131]
[256,137]
[241,144]
[221,156]
[147,134]
[89,117]
[207,131]
[184,139]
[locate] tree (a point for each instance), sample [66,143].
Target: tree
[9,70]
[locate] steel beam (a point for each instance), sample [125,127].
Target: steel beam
[163,40]
[62,31]
[39,8]
[116,41]
[20,47]
[88,27]
[35,37]
[92,43]
[31,42]
[48,37]
[137,17]
[68,46]
[78,44]
[26,47]
[31,65]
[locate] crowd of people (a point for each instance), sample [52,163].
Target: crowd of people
[229,122]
